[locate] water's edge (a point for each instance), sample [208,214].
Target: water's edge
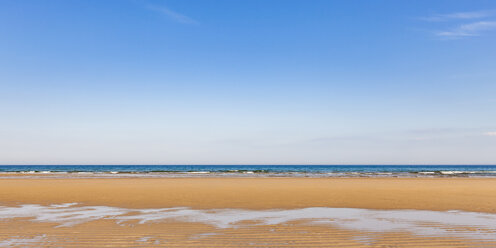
[251,170]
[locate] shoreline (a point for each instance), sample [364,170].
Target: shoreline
[312,171]
[249,174]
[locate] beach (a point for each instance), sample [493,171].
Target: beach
[468,194]
[199,208]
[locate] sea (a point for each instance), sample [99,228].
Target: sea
[251,170]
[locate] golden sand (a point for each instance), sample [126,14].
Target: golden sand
[468,194]
[180,234]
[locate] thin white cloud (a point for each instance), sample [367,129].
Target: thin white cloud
[463,24]
[458,16]
[449,133]
[177,17]
[470,29]
[490,134]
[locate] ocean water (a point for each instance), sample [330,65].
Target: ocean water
[261,170]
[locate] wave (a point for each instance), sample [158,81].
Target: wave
[249,171]
[245,173]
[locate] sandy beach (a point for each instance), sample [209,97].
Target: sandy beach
[247,197]
[467,194]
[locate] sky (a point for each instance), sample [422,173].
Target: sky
[247,82]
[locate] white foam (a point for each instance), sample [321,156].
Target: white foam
[419,222]
[451,172]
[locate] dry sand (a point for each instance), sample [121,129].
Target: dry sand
[468,194]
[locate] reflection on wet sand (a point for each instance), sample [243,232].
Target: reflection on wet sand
[75,225]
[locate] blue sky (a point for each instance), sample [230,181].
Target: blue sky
[247,82]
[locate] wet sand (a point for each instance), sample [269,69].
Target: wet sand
[105,233]
[440,194]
